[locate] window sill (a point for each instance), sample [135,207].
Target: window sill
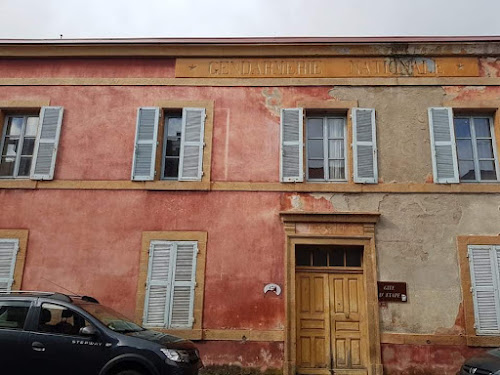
[17,184]
[483,341]
[176,185]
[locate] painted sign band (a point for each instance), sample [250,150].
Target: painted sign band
[327,67]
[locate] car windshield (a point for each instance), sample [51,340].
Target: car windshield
[111,318]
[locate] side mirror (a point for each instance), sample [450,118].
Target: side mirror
[88,331]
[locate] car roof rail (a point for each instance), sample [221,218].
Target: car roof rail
[56,295]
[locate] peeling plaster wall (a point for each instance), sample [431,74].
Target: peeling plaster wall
[416,243]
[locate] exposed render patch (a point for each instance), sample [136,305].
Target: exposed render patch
[273,100]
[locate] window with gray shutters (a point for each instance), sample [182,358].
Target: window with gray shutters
[182,142]
[484,263]
[169,301]
[29,143]
[325,144]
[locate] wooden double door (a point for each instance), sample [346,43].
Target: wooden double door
[331,323]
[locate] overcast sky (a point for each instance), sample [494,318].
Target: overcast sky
[239,18]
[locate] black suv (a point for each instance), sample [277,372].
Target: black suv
[54,333]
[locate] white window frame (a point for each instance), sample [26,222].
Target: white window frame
[19,145]
[166,114]
[474,139]
[326,158]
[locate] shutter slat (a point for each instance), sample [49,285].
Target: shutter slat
[46,144]
[484,277]
[8,251]
[291,134]
[443,148]
[191,153]
[364,146]
[183,286]
[146,135]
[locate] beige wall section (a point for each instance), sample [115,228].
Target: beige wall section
[404,152]
[416,240]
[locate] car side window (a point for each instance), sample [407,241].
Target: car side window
[60,320]
[13,314]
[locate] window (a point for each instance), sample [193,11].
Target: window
[484,263]
[463,147]
[60,320]
[9,248]
[13,314]
[182,140]
[18,144]
[475,148]
[29,144]
[326,145]
[172,131]
[170,286]
[328,255]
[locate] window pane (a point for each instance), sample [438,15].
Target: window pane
[316,169]
[15,126]
[337,170]
[171,167]
[315,128]
[337,257]
[462,128]
[28,146]
[482,127]
[10,147]
[174,126]
[464,149]
[303,257]
[315,149]
[31,127]
[353,256]
[466,170]
[484,149]
[319,257]
[335,128]
[7,166]
[24,166]
[173,146]
[487,170]
[13,314]
[336,149]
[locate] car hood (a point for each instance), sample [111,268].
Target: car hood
[163,339]
[488,361]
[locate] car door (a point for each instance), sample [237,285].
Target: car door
[13,337]
[58,347]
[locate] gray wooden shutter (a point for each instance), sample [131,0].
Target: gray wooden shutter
[443,148]
[146,136]
[46,144]
[8,252]
[291,143]
[157,301]
[364,138]
[484,261]
[182,302]
[191,153]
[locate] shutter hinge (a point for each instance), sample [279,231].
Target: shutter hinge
[202,173]
[475,326]
[204,144]
[472,289]
[17,248]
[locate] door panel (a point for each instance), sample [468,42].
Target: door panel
[330,323]
[313,324]
[348,342]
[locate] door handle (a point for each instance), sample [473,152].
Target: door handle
[37,346]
